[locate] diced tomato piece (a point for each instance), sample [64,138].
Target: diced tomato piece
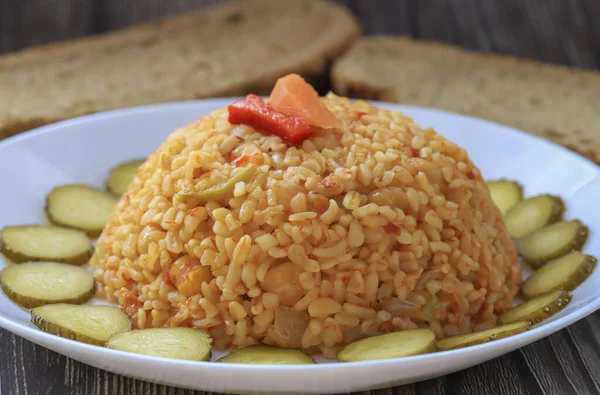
[481,312]
[167,278]
[392,229]
[195,211]
[243,161]
[360,114]
[386,326]
[293,96]
[254,112]
[132,302]
[186,323]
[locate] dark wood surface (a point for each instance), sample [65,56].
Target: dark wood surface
[559,31]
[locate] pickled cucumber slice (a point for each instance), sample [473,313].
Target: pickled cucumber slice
[120,177]
[533,214]
[84,323]
[538,309]
[176,343]
[33,284]
[552,242]
[566,273]
[80,207]
[45,243]
[265,355]
[391,345]
[505,194]
[471,339]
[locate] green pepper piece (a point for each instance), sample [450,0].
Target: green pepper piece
[221,189]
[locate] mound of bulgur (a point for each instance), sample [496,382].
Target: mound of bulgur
[377,226]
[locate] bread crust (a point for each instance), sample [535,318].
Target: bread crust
[314,68]
[581,134]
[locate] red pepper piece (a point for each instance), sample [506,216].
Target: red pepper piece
[254,112]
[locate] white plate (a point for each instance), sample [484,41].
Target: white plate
[83,150]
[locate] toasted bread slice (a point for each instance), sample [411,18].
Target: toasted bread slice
[555,102]
[228,49]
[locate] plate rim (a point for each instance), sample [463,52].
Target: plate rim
[592,304]
[30,133]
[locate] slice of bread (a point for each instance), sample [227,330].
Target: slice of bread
[555,102]
[229,49]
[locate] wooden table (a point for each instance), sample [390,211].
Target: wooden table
[559,31]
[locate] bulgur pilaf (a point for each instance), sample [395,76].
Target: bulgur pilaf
[372,227]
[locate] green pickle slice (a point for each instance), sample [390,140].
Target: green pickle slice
[391,345]
[471,339]
[176,343]
[538,309]
[120,177]
[80,207]
[566,272]
[505,194]
[261,354]
[552,242]
[85,323]
[45,243]
[532,214]
[33,284]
